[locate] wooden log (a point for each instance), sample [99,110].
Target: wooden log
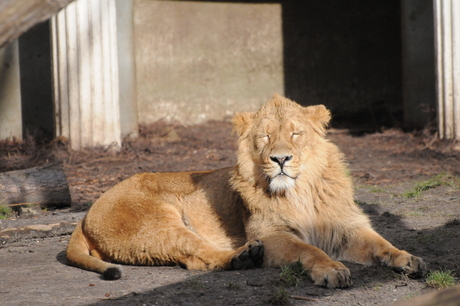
[446,297]
[44,186]
[17,16]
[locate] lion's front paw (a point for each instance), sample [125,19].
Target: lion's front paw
[332,275]
[411,265]
[249,256]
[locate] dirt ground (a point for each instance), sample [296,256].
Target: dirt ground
[385,167]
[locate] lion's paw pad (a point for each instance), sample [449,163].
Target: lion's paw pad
[249,256]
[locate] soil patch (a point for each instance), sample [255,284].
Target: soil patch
[386,167]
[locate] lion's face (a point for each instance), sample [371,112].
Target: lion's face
[277,148]
[277,141]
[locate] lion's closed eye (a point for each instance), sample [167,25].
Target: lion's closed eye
[264,136]
[296,134]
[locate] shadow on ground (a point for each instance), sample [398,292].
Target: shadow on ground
[372,285]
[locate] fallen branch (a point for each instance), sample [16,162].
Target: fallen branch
[304,298]
[29,204]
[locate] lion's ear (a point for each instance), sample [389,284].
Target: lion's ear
[319,115]
[241,122]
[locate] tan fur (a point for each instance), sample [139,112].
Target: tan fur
[289,190]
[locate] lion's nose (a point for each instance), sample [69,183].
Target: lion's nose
[281,160]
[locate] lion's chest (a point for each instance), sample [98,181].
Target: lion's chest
[311,223]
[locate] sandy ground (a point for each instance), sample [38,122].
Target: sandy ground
[385,167]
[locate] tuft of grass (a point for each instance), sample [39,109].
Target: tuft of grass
[409,296]
[440,279]
[358,202]
[5,212]
[280,297]
[414,214]
[434,182]
[291,274]
[233,286]
[376,189]
[195,283]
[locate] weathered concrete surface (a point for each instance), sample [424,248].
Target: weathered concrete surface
[126,69]
[18,16]
[37,231]
[197,61]
[10,92]
[39,225]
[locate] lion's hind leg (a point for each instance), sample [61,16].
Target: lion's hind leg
[209,258]
[174,243]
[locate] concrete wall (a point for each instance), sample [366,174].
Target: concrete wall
[10,92]
[198,61]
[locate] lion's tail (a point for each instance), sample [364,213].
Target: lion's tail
[78,254]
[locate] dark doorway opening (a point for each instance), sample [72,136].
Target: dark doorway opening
[36,82]
[347,56]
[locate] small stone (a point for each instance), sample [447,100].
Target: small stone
[39,227]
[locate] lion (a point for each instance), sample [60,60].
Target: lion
[288,199]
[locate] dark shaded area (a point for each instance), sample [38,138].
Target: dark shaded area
[419,66]
[36,82]
[347,56]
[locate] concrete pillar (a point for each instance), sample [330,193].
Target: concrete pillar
[10,92]
[126,68]
[86,74]
[447,23]
[419,84]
